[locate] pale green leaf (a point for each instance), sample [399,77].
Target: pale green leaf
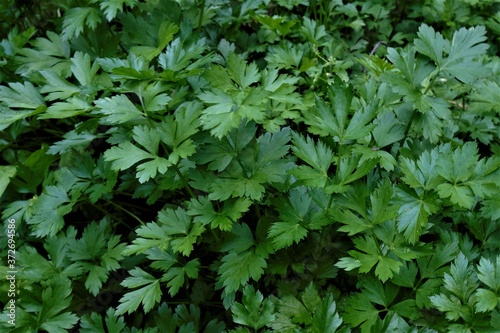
[487,300]
[117,109]
[254,311]
[6,173]
[237,269]
[77,18]
[149,294]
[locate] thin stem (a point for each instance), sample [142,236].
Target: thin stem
[414,113]
[338,155]
[247,173]
[212,303]
[313,6]
[377,46]
[330,201]
[184,181]
[217,238]
[408,126]
[257,212]
[104,211]
[202,13]
[126,211]
[179,173]
[322,14]
[431,83]
[136,206]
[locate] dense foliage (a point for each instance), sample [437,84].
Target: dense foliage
[251,166]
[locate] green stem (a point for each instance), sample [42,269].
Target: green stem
[431,83]
[408,126]
[126,211]
[414,112]
[257,212]
[104,211]
[179,173]
[202,13]
[213,303]
[338,155]
[322,15]
[217,238]
[247,173]
[313,6]
[330,201]
[136,206]
[184,181]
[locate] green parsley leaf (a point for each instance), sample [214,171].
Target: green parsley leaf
[414,212]
[57,87]
[457,166]
[485,97]
[149,48]
[175,270]
[49,210]
[94,323]
[313,31]
[236,100]
[362,218]
[242,74]
[117,110]
[6,173]
[220,152]
[487,300]
[111,7]
[73,107]
[21,101]
[126,154]
[361,312]
[351,168]
[239,240]
[238,268]
[176,131]
[460,285]
[318,156]
[325,316]
[99,252]
[298,214]
[50,53]
[245,260]
[22,96]
[285,55]
[466,175]
[280,26]
[489,274]
[178,225]
[388,130]
[286,233]
[335,119]
[149,294]
[203,211]
[75,20]
[261,164]
[82,70]
[253,311]
[56,298]
[465,45]
[462,280]
[178,56]
[385,266]
[422,173]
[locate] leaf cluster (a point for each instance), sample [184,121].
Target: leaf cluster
[253,166]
